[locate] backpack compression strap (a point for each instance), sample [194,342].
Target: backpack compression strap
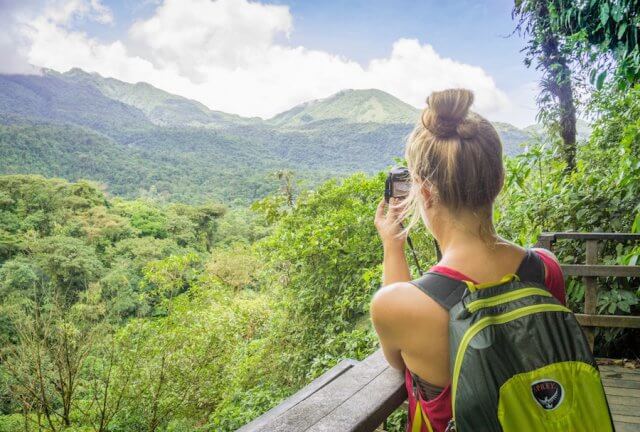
[447,291]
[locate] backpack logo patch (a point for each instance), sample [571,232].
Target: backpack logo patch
[548,393]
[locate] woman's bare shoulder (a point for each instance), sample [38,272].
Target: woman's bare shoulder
[400,304]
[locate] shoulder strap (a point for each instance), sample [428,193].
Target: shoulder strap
[442,289]
[531,268]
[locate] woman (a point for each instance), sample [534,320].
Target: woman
[455,160]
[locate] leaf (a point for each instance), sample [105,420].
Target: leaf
[600,80]
[621,30]
[616,12]
[635,228]
[604,13]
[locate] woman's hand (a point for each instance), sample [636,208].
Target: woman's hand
[388,223]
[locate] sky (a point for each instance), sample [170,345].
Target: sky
[259,58]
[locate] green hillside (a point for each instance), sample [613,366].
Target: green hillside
[52,99]
[160,107]
[353,106]
[140,140]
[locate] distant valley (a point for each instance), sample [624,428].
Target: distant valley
[142,141]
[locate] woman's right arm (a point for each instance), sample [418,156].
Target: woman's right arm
[394,264]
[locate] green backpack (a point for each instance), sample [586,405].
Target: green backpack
[519,359]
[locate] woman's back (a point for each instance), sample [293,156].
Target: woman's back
[425,345]
[454,159]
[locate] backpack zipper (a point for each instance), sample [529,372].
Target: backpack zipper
[485,322]
[476,305]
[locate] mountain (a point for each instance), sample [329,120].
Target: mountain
[50,98]
[160,107]
[140,140]
[352,106]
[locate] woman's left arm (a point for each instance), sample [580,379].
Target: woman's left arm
[386,314]
[386,306]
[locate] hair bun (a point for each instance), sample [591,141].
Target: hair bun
[446,110]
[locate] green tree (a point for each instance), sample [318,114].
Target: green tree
[550,52]
[597,31]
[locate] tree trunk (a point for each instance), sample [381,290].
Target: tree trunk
[559,85]
[567,123]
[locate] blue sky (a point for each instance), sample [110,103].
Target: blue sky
[290,51]
[474,32]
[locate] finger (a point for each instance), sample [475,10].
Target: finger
[380,210]
[395,208]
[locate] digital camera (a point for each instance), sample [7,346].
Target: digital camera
[398,184]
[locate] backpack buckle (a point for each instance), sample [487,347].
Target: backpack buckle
[451,426]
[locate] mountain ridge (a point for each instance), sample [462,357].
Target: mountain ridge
[185,151]
[356,106]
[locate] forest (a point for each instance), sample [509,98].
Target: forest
[129,314]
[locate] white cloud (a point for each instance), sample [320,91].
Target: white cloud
[63,11]
[227,54]
[14,44]
[413,71]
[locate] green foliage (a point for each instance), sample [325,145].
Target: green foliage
[120,316]
[601,195]
[598,30]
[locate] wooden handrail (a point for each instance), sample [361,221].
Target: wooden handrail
[353,396]
[588,236]
[590,273]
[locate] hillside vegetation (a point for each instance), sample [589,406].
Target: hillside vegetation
[121,315]
[183,151]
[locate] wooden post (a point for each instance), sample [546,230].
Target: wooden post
[545,241]
[591,289]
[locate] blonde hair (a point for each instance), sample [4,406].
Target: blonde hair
[457,154]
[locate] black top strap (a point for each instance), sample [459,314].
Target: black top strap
[447,291]
[444,290]
[531,268]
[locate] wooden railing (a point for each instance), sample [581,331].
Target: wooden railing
[352,396]
[590,271]
[359,396]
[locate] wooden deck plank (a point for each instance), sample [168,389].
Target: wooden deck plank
[627,410]
[623,400]
[620,375]
[589,236]
[624,392]
[621,383]
[618,418]
[619,369]
[626,427]
[622,387]
[600,270]
[324,401]
[362,412]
